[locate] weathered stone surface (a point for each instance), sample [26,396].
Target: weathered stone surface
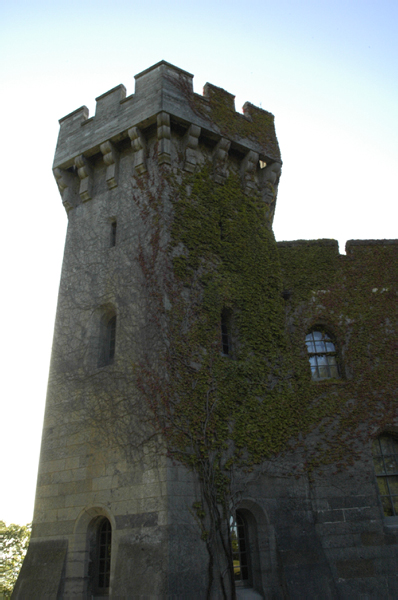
[319,536]
[41,573]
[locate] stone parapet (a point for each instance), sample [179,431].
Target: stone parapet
[167,90]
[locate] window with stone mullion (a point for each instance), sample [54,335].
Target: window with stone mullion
[322,356]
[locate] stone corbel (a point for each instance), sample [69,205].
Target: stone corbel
[270,176]
[248,169]
[85,173]
[163,121]
[111,159]
[138,145]
[220,160]
[191,142]
[67,185]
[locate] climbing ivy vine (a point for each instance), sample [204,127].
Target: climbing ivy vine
[226,414]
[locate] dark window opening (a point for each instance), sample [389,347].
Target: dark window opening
[102,559]
[225,344]
[111,339]
[113,233]
[322,355]
[240,551]
[108,341]
[385,460]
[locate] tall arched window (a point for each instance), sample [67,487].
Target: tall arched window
[240,551]
[322,354]
[385,460]
[101,559]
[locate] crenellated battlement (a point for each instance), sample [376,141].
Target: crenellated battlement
[354,248]
[184,332]
[358,247]
[165,113]
[168,90]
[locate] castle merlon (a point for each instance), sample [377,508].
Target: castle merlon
[166,90]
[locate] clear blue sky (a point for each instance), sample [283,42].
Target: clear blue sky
[327,69]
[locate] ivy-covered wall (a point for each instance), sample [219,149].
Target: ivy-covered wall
[226,260]
[354,298]
[257,409]
[192,185]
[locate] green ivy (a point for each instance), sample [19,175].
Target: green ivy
[242,409]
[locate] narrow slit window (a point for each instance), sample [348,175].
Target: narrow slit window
[113,233]
[111,339]
[107,340]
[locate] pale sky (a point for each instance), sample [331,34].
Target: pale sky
[327,70]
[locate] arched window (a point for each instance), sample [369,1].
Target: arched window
[101,559]
[108,339]
[385,460]
[323,355]
[240,551]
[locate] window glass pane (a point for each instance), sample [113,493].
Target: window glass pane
[395,503]
[388,444]
[376,447]
[323,354]
[378,464]
[315,374]
[239,550]
[393,484]
[320,347]
[324,372]
[382,483]
[387,507]
[391,463]
[334,372]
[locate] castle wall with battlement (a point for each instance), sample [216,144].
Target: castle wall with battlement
[313,532]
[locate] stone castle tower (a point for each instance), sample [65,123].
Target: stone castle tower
[90,496]
[198,367]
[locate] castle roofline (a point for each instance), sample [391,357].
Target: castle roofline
[164,88]
[169,65]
